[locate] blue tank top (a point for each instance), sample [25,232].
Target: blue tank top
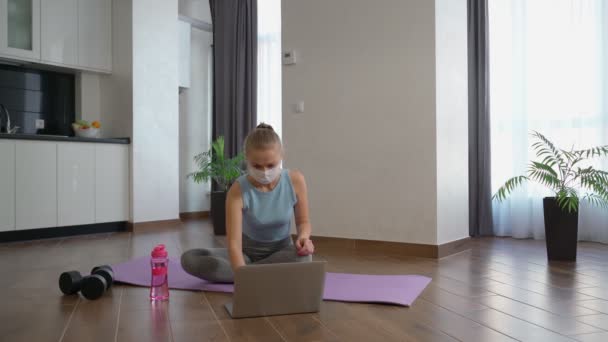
[267,215]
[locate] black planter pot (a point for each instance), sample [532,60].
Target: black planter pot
[561,230]
[218,212]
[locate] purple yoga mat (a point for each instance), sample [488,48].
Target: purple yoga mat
[344,287]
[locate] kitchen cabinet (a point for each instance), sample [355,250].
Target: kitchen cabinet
[75,184]
[7,185]
[36,184]
[59,32]
[95,34]
[112,183]
[46,184]
[20,29]
[71,33]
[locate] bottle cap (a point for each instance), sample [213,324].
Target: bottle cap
[159,251]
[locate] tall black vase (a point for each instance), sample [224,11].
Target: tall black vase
[218,212]
[561,230]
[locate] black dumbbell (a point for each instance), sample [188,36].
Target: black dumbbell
[105,271]
[70,282]
[95,285]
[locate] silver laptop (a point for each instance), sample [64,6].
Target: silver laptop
[277,289]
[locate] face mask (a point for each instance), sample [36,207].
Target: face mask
[264,177]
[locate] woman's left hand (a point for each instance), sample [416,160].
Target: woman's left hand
[304,246]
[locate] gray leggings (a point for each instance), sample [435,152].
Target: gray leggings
[213,264]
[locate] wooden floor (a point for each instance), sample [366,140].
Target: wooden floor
[501,290]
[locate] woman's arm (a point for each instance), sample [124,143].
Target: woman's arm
[234,226]
[303,226]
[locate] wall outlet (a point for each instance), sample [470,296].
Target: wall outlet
[39,124]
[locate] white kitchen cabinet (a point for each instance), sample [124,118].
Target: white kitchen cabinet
[70,33]
[184,32]
[111,183]
[59,32]
[46,184]
[75,184]
[95,34]
[20,29]
[7,185]
[36,184]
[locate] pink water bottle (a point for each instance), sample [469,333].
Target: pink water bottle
[159,286]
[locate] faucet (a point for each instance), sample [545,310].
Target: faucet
[9,130]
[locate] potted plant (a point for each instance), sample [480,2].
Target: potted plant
[214,165]
[566,175]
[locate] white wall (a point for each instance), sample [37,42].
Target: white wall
[452,120]
[155,145]
[140,100]
[366,143]
[381,96]
[195,114]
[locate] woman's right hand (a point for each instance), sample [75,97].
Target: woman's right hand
[238,263]
[304,246]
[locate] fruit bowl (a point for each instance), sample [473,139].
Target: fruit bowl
[87,133]
[85,130]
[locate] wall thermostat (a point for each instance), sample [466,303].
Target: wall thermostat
[289,57]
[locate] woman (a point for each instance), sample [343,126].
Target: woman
[259,209]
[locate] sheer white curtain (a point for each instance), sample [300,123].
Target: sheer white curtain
[549,73]
[269,63]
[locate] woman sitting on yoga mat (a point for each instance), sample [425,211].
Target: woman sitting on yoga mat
[259,208]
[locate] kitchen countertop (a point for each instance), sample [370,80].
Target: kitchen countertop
[41,137]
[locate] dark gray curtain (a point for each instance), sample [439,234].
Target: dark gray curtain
[234,71]
[480,188]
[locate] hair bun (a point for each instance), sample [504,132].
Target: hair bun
[265,126]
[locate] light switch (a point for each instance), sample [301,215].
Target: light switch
[289,57]
[39,124]
[300,107]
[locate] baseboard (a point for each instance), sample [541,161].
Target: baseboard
[55,232]
[194,215]
[392,248]
[138,226]
[454,247]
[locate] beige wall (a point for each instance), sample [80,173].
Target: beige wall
[367,142]
[195,110]
[88,96]
[109,98]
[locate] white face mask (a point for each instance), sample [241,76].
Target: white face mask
[264,177]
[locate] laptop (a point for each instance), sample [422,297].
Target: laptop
[277,289]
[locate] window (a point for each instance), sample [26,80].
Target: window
[549,73]
[269,63]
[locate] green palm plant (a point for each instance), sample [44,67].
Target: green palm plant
[214,165]
[560,171]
